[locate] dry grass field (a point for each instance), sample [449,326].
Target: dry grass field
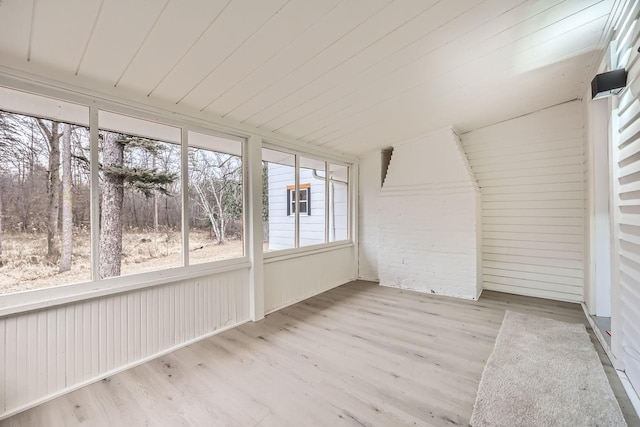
[24,264]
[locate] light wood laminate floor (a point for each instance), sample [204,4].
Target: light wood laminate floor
[360,354]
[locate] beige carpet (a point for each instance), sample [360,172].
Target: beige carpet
[544,372]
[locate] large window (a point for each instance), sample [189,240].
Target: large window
[215,198]
[129,196]
[44,192]
[338,202]
[312,225]
[90,194]
[140,197]
[306,201]
[278,177]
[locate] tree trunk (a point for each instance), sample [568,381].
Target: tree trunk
[1,232]
[222,223]
[67,202]
[53,193]
[110,255]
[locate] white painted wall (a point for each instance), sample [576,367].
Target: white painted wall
[428,223]
[289,280]
[531,174]
[49,352]
[597,289]
[369,186]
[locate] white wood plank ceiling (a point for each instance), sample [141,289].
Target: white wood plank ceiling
[352,75]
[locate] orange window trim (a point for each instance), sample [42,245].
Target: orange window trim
[302,186]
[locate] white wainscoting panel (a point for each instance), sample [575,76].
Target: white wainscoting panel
[288,280]
[530,171]
[46,352]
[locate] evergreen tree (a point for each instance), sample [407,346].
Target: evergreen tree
[116,174]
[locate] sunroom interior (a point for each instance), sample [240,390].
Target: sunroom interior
[292,212]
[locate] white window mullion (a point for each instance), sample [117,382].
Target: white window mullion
[94,170]
[184,173]
[296,202]
[351,201]
[326,202]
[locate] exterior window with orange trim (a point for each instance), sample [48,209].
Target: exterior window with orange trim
[304,199]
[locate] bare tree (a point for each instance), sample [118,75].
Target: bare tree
[67,202]
[53,184]
[7,138]
[217,182]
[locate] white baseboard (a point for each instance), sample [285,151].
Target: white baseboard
[631,392]
[601,339]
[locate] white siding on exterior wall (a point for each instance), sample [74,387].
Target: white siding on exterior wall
[50,351]
[531,171]
[626,188]
[281,226]
[339,216]
[312,228]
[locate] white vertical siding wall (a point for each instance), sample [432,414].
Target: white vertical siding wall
[288,280]
[531,175]
[48,352]
[626,188]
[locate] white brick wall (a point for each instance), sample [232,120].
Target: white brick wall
[428,211]
[428,241]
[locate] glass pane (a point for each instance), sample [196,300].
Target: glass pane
[44,193]
[215,199]
[312,194]
[338,203]
[278,179]
[140,203]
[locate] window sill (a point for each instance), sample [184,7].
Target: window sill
[49,297]
[284,254]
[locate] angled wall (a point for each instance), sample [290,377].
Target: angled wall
[428,219]
[531,174]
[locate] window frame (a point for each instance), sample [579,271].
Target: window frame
[15,302]
[291,201]
[298,250]
[186,120]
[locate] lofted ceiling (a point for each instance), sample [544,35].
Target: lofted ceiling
[350,75]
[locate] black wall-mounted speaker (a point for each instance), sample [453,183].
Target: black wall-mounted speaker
[610,83]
